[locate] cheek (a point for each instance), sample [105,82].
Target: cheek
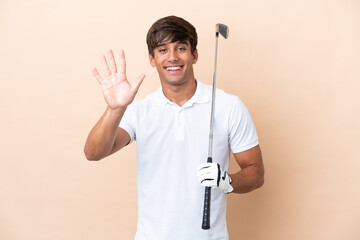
[158,66]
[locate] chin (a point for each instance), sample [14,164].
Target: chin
[175,82]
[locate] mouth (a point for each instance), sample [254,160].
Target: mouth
[173,69]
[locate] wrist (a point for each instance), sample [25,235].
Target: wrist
[228,180]
[118,111]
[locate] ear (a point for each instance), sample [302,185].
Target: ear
[151,60]
[195,55]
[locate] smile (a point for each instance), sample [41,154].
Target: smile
[173,68]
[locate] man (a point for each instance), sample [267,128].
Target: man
[171,128]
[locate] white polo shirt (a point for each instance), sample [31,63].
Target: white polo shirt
[171,143]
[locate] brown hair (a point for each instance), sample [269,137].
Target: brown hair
[171,28]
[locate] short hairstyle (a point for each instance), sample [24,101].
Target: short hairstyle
[171,28]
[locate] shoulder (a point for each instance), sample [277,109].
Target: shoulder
[228,101]
[230,105]
[224,96]
[220,95]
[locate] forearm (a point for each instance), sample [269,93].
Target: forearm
[101,139]
[248,179]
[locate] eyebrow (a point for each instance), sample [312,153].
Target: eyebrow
[178,42]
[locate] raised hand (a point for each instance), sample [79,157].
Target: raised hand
[117,90]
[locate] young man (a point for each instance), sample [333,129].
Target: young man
[171,128]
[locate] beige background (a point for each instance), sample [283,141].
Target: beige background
[295,64]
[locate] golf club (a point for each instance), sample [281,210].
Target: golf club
[224,31]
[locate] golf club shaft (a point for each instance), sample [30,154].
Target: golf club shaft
[213,101]
[207,197]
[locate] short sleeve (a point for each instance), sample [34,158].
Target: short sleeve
[128,121]
[242,132]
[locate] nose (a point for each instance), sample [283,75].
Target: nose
[173,56]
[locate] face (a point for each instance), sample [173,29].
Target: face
[174,62]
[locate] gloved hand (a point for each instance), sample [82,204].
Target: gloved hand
[211,175]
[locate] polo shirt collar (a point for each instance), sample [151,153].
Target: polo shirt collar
[201,95]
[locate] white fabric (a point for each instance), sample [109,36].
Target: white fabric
[211,175]
[171,143]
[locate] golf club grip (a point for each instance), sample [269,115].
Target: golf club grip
[207,199]
[206,213]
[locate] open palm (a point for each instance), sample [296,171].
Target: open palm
[117,90]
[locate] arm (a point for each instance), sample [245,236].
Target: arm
[106,137]
[251,175]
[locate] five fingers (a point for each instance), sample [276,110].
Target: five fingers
[110,67]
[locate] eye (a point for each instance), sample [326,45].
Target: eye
[181,49]
[162,50]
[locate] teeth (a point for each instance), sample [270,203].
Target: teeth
[173,68]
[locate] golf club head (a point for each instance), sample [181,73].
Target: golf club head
[223,30]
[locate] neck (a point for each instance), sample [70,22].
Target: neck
[179,94]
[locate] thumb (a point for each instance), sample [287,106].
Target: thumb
[135,86]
